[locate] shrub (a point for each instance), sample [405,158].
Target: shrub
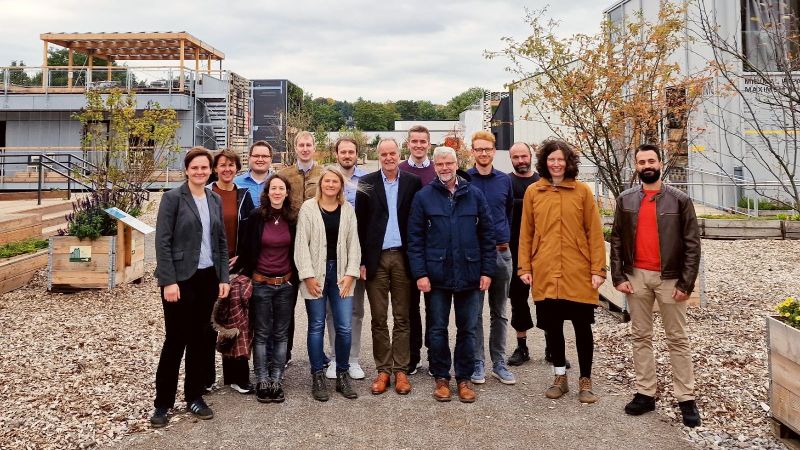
[763,205]
[789,311]
[25,246]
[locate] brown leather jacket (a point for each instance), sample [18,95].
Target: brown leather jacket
[678,236]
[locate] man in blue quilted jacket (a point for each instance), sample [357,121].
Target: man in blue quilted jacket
[452,254]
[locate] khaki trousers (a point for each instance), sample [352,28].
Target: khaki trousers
[393,354]
[649,287]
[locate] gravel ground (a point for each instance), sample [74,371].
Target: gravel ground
[77,372]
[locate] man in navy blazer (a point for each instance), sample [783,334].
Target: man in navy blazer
[383,204]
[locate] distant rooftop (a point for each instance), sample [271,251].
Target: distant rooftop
[142,46]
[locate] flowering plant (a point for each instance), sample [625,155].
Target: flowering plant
[789,311]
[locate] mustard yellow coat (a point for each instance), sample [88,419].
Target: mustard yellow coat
[561,241]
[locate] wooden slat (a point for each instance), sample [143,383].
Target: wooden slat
[61,244]
[783,339]
[22,263]
[99,263]
[736,223]
[81,279]
[785,373]
[785,406]
[20,233]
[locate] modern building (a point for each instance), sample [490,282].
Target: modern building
[37,104]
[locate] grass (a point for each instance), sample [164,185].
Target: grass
[23,247]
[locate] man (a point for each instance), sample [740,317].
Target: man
[451,251]
[304,177]
[346,150]
[655,256]
[259,161]
[383,203]
[523,176]
[496,187]
[418,142]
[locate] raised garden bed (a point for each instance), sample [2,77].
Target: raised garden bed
[784,372]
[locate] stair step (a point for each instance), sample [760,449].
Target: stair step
[53,230]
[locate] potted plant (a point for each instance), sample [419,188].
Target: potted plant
[124,148]
[783,339]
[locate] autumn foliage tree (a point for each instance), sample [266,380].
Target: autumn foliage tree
[605,93]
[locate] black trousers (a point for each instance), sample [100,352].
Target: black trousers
[186,325]
[415,324]
[235,371]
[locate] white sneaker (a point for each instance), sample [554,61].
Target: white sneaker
[330,372]
[355,371]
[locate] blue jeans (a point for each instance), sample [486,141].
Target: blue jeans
[342,310]
[466,305]
[272,311]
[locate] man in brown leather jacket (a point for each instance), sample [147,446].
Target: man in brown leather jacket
[655,256]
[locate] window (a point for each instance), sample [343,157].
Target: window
[770,35]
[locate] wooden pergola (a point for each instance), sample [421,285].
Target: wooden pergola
[132,46]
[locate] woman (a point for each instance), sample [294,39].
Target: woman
[266,257]
[561,244]
[236,206]
[192,270]
[328,255]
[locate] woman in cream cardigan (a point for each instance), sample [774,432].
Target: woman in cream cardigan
[327,254]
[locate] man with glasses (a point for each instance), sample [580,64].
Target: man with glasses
[259,161]
[451,251]
[496,187]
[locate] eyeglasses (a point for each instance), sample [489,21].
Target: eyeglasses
[483,150]
[261,156]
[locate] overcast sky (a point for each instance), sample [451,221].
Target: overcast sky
[407,49]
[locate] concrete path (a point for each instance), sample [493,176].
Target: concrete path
[516,416]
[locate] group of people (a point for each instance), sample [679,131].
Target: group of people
[233,255]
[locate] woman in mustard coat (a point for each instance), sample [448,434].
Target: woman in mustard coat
[562,255]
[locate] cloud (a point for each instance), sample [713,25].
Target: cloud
[347,49]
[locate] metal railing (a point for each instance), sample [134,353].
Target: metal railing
[75,170]
[155,79]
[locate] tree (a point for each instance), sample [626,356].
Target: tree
[605,93]
[372,116]
[428,111]
[462,102]
[17,75]
[759,79]
[128,148]
[323,114]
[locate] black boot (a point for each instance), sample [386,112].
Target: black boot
[519,356]
[690,413]
[343,385]
[319,387]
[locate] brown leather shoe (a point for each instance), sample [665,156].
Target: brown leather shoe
[465,392]
[401,384]
[442,391]
[381,383]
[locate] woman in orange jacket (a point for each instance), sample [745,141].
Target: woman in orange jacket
[562,255]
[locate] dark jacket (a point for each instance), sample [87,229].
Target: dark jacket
[372,212]
[244,204]
[678,236]
[250,249]
[450,237]
[178,236]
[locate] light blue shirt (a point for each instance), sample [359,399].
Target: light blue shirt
[205,242]
[350,187]
[245,181]
[392,236]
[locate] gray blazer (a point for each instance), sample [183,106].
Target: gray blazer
[178,236]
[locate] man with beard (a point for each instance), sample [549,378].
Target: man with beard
[346,150]
[655,256]
[522,177]
[452,254]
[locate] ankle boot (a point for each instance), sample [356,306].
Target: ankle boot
[559,387]
[343,385]
[319,387]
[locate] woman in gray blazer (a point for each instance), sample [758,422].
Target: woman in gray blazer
[192,271]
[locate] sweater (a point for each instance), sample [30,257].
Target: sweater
[311,248]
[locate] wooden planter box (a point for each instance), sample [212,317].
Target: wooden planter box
[17,271]
[784,372]
[111,260]
[791,229]
[740,229]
